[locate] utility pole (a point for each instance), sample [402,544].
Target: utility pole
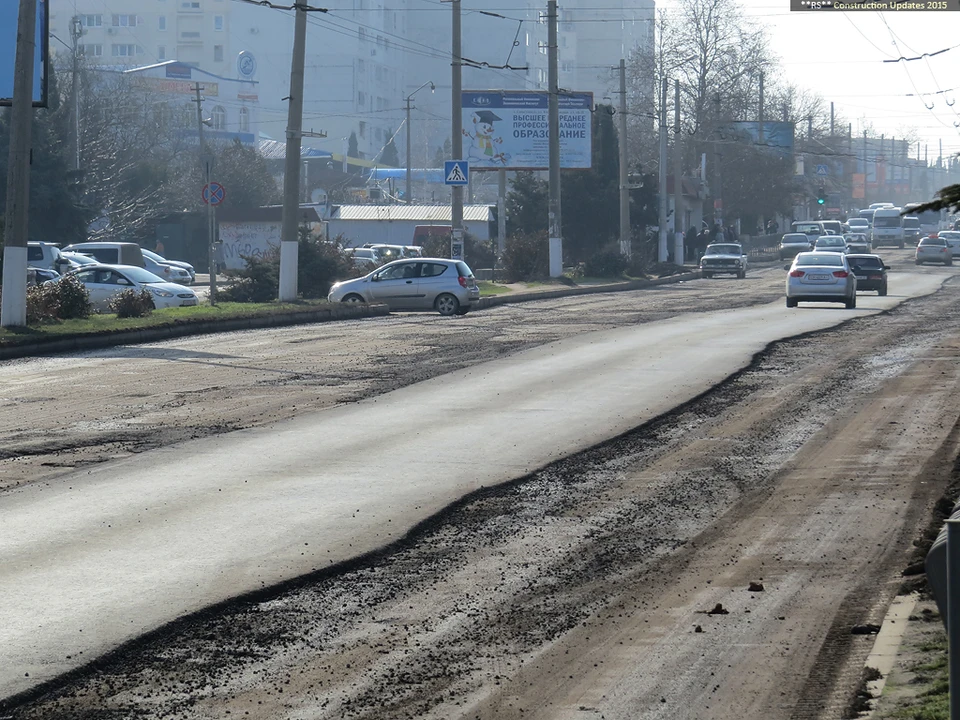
[760,135]
[717,183]
[677,178]
[76,32]
[409,188]
[625,245]
[206,161]
[662,252]
[13,305]
[831,120]
[291,170]
[501,210]
[456,113]
[555,223]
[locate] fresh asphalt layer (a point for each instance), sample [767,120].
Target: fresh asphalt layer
[97,557]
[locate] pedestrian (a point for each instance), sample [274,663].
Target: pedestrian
[690,242]
[159,248]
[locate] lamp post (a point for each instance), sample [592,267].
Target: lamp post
[409,98]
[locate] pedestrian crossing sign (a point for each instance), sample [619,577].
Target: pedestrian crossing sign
[456,172]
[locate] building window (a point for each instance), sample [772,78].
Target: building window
[93,50]
[124,20]
[363,129]
[188,5]
[162,52]
[186,34]
[361,98]
[362,33]
[218,53]
[219,118]
[162,23]
[124,50]
[244,120]
[218,23]
[91,20]
[361,67]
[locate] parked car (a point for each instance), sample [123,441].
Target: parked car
[388,253]
[871,272]
[793,243]
[39,276]
[857,242]
[110,253]
[830,243]
[412,251]
[362,257]
[176,263]
[170,273]
[47,256]
[821,277]
[447,286]
[953,240]
[934,249]
[79,259]
[105,281]
[721,258]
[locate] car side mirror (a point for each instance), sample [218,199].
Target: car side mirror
[887,267]
[786,267]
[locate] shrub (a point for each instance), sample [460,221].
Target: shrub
[258,282]
[526,257]
[606,262]
[73,298]
[132,303]
[43,304]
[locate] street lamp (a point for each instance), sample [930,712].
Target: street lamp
[409,98]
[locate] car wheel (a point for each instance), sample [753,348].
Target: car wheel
[446,304]
[353,298]
[918,262]
[948,262]
[791,303]
[882,291]
[463,311]
[707,275]
[900,245]
[851,302]
[742,274]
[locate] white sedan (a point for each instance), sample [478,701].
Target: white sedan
[105,281]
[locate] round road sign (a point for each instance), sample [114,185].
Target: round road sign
[213,193]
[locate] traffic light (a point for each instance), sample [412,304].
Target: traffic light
[821,196]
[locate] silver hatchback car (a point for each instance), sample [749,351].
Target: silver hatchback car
[447,286]
[821,277]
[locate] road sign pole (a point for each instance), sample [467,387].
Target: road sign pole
[554,223]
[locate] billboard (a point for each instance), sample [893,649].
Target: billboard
[777,136]
[9,11]
[509,130]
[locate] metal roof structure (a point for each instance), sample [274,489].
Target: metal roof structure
[419,213]
[276,150]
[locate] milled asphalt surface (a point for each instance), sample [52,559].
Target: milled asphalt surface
[145,540]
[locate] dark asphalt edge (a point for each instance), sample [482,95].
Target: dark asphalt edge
[333,312]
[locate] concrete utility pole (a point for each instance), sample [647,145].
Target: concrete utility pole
[677,178]
[456,114]
[555,220]
[291,170]
[501,210]
[625,245]
[760,135]
[662,250]
[13,306]
[831,120]
[76,32]
[206,161]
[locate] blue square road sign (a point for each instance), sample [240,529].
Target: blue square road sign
[456,172]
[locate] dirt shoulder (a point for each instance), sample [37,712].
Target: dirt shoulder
[586,589]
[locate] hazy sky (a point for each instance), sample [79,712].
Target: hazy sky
[840,56]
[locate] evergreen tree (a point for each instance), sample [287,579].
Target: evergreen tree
[353,147]
[390,156]
[527,204]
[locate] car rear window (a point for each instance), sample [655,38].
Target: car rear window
[933,241]
[464,269]
[865,263]
[825,259]
[794,237]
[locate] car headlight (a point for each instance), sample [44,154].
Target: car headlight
[160,293]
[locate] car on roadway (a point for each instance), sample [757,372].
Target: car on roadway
[364,257]
[911,229]
[724,258]
[830,243]
[103,282]
[857,242]
[953,240]
[934,249]
[857,224]
[446,286]
[821,277]
[793,243]
[170,273]
[870,270]
[175,263]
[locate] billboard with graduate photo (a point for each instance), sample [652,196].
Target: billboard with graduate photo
[509,130]
[9,19]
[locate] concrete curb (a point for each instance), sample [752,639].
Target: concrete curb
[350,311]
[73,343]
[495,300]
[887,645]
